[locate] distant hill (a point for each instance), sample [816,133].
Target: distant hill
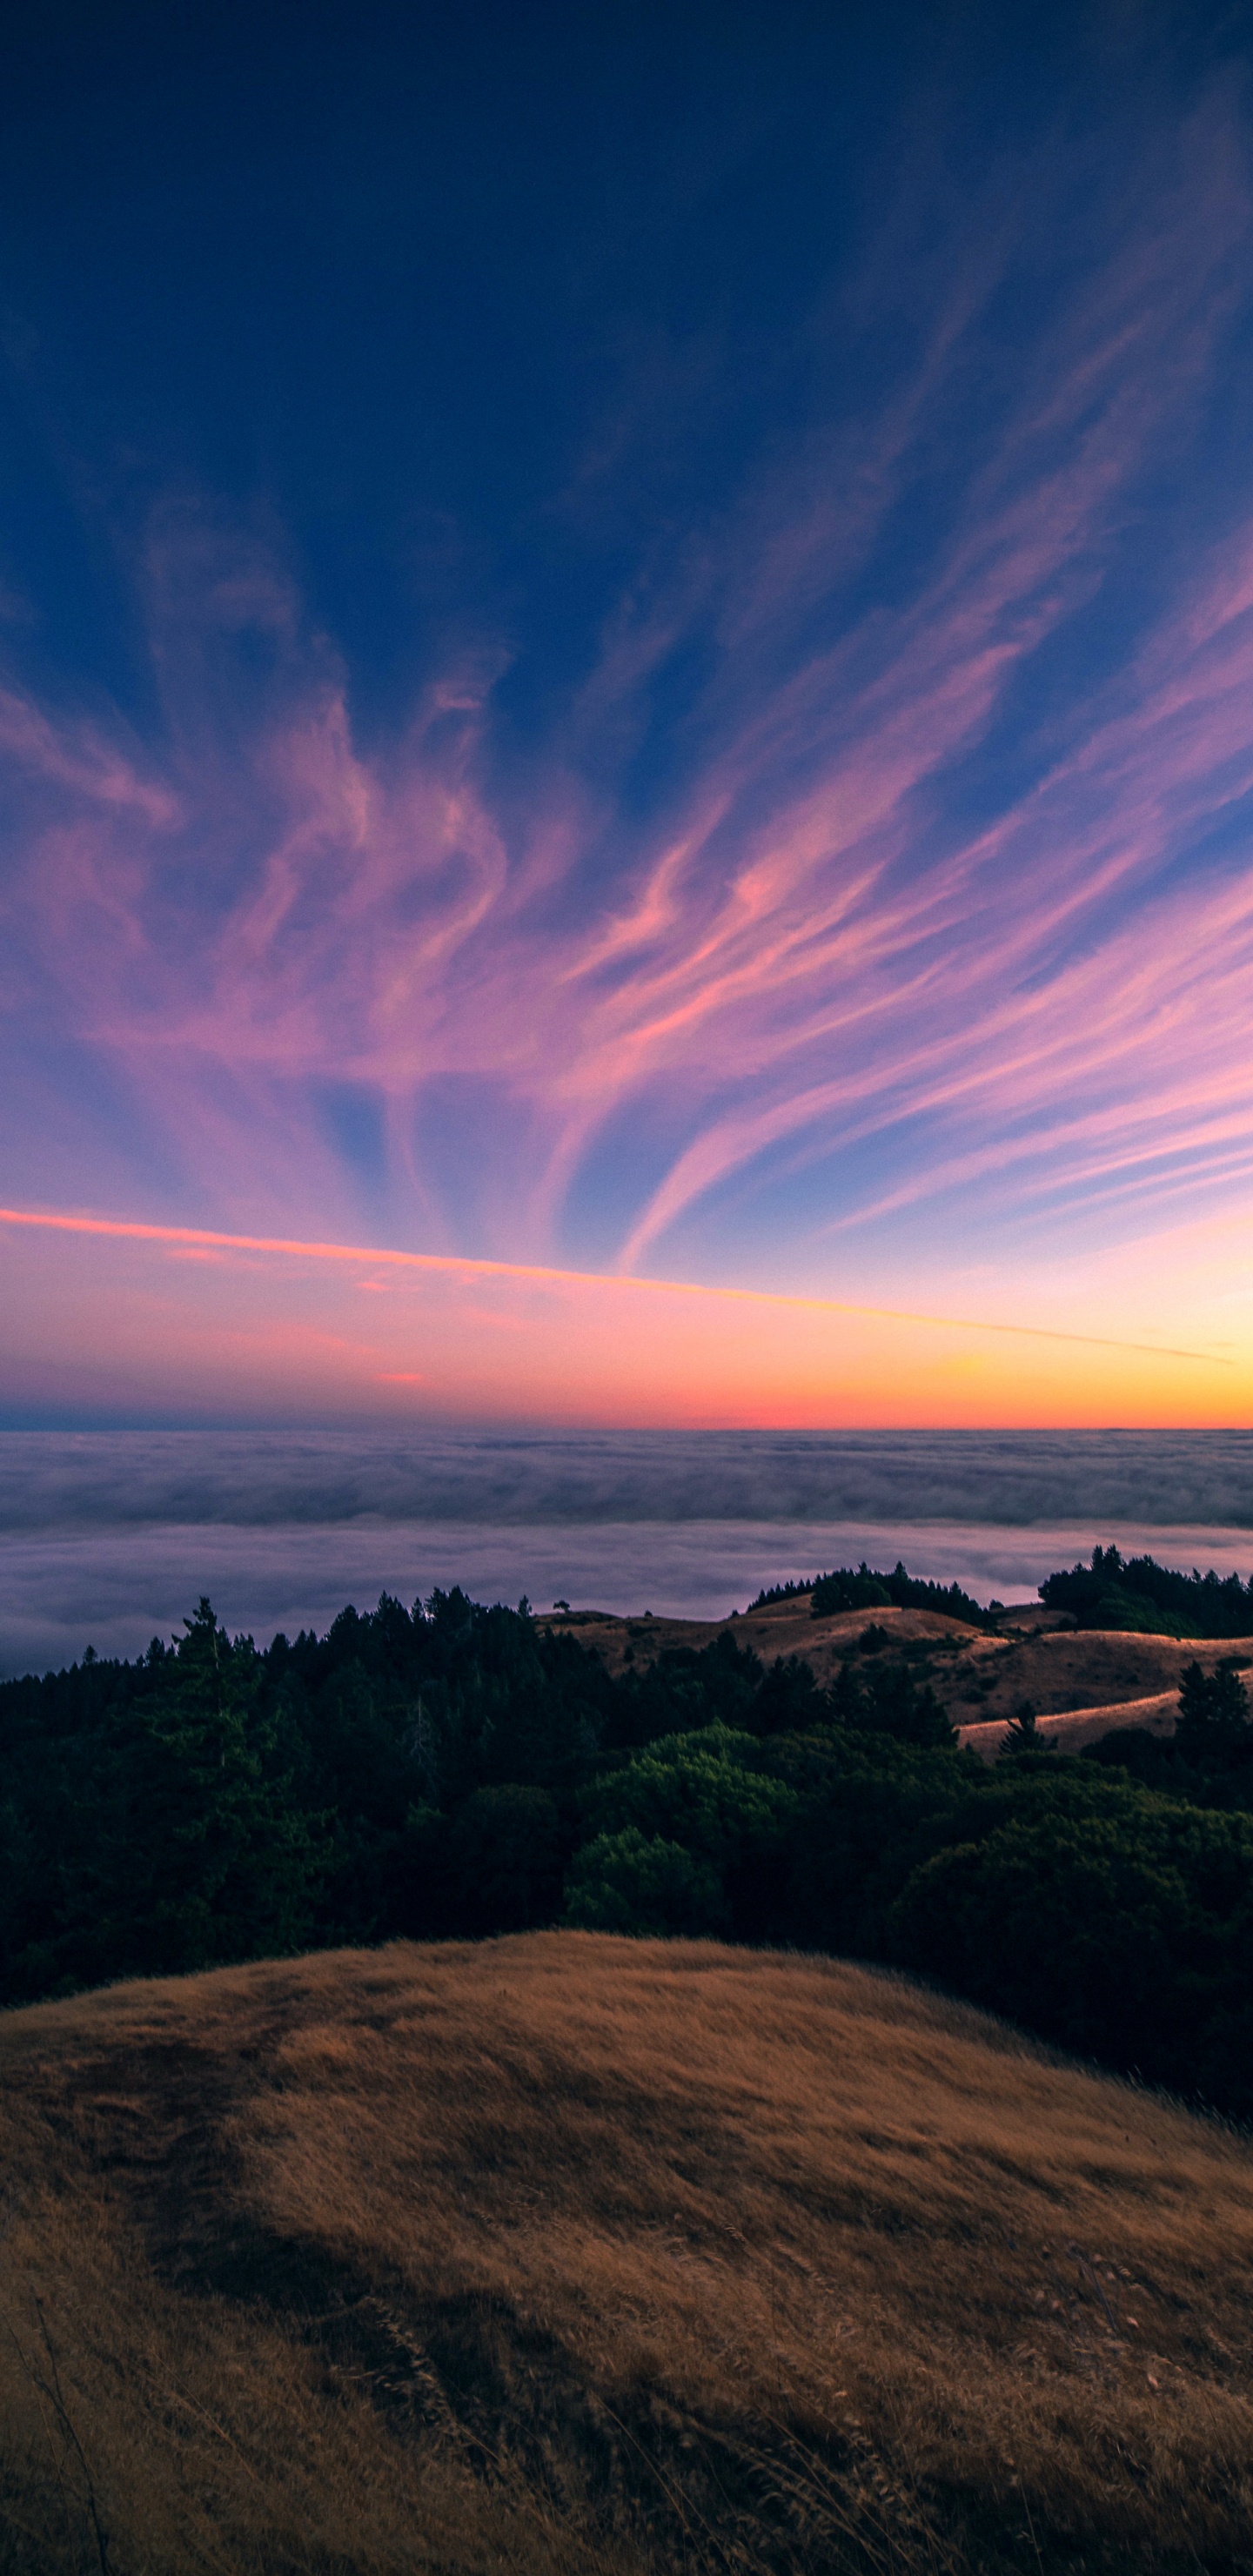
[571,2256]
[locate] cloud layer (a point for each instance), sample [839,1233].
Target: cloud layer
[93,1481]
[281,1531]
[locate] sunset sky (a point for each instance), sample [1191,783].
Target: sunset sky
[626,665]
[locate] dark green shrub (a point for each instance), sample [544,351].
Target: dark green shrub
[703,1791]
[1110,1935]
[1213,1723]
[640,1883]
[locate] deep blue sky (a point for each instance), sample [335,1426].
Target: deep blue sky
[465,308]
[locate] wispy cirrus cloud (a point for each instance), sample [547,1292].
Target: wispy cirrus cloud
[890,854]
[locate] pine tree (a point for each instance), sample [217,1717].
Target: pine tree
[1213,1723]
[218,1857]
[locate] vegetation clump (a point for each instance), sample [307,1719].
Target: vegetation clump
[1136,1593]
[860,1588]
[864,1590]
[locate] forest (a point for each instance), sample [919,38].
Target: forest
[464,1770]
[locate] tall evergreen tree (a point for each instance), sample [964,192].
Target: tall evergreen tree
[217,1857]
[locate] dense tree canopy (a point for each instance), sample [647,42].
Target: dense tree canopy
[847,1589]
[1136,1593]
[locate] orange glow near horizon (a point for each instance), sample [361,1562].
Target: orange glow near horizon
[105,1312]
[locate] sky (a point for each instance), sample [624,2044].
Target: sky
[626,714]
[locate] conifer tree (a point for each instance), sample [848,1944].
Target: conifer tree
[219,1857]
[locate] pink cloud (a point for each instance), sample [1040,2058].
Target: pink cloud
[94,1307]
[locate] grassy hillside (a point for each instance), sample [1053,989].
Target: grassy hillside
[564,2253]
[1034,1654]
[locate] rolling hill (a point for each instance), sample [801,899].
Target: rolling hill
[562,2252]
[980,1679]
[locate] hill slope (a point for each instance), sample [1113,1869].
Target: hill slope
[566,2253]
[1035,1654]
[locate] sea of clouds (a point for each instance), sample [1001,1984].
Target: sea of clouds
[109,1537]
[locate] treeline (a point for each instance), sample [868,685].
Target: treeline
[1112,1591]
[1135,1592]
[864,1590]
[464,1770]
[861,1588]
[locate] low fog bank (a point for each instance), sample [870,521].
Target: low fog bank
[115,1590]
[63,1481]
[109,1537]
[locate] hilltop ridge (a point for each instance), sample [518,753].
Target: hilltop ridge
[562,2254]
[978,1675]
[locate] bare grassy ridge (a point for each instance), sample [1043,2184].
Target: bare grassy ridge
[571,2253]
[1036,1655]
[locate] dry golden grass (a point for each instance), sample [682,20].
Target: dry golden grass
[975,1676]
[781,1628]
[566,2253]
[1157,1715]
